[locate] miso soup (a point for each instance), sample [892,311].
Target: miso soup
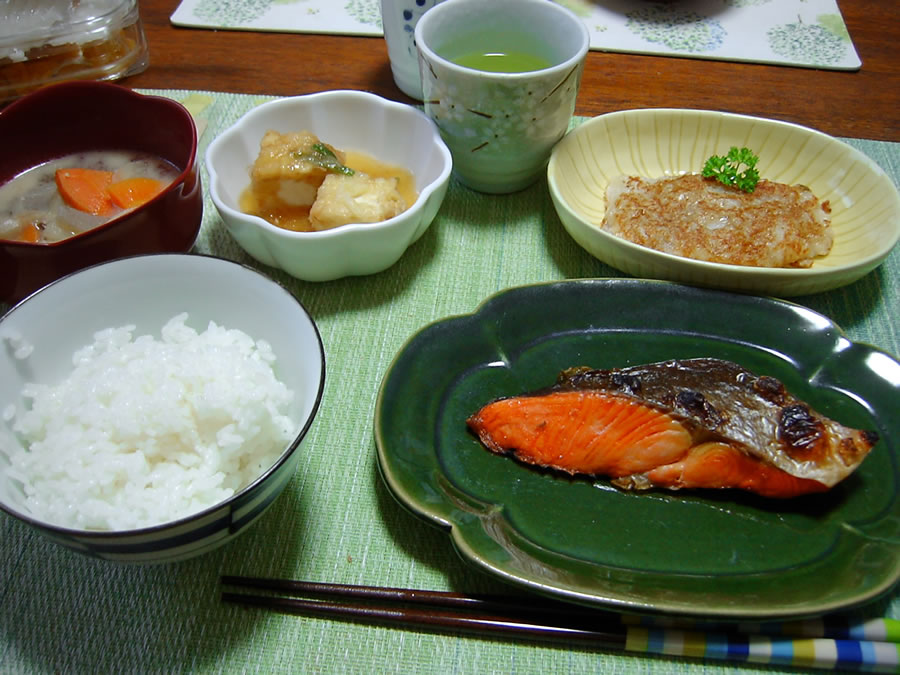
[33,209]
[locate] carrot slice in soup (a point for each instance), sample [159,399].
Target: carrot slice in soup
[85,189]
[30,233]
[132,192]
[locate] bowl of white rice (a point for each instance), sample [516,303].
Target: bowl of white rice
[153,407]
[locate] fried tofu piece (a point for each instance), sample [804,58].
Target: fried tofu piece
[358,198]
[283,174]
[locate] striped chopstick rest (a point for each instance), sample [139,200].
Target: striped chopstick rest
[828,653]
[876,630]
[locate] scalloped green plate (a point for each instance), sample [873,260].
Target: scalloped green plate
[716,554]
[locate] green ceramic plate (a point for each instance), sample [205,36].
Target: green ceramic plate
[721,554]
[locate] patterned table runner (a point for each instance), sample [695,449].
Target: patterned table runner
[806,33]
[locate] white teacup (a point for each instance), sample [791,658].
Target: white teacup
[399,18]
[500,126]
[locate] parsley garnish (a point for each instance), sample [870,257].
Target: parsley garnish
[736,169]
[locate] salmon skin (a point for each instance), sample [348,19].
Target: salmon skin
[691,423]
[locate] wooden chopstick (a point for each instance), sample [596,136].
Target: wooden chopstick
[432,609]
[432,618]
[870,645]
[500,604]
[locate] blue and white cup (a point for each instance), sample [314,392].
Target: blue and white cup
[501,126]
[399,18]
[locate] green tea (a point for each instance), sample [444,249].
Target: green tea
[502,62]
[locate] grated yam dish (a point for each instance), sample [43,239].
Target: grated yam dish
[777,225]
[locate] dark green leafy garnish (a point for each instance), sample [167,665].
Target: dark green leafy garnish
[736,169]
[323,156]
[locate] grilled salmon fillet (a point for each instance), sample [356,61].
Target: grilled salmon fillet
[693,423]
[777,225]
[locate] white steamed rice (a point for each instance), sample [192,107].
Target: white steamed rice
[145,431]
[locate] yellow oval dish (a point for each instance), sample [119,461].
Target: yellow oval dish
[656,142]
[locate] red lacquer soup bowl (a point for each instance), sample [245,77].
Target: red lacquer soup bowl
[75,118]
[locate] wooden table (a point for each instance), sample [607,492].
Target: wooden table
[862,104]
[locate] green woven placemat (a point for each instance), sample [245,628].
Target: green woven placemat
[336,522]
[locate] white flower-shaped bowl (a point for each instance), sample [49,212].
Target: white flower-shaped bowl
[390,132]
[865,205]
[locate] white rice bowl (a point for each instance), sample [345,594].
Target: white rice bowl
[223,300]
[144,430]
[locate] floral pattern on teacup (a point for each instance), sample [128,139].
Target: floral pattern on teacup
[494,116]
